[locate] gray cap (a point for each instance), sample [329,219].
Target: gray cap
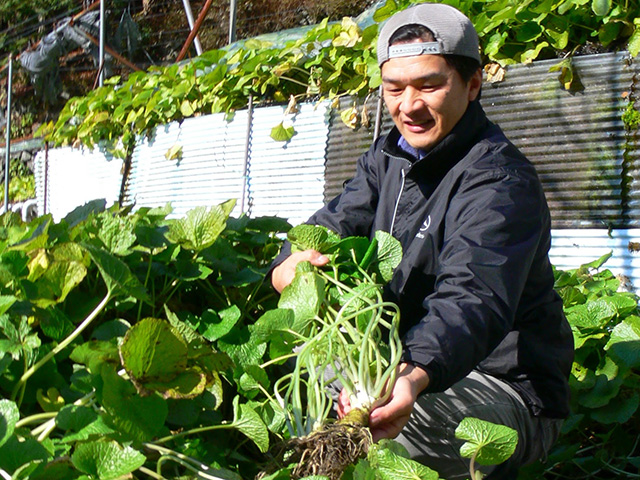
[454,33]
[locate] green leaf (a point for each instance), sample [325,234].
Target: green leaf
[600,7]
[152,348]
[217,325]
[391,466]
[174,152]
[94,353]
[591,315]
[117,234]
[116,274]
[9,416]
[6,302]
[633,44]
[280,133]
[303,296]
[106,460]
[491,444]
[624,342]
[138,418]
[388,256]
[15,453]
[200,228]
[385,11]
[155,356]
[617,411]
[312,237]
[272,323]
[247,421]
[528,31]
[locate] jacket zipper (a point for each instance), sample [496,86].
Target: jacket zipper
[395,210]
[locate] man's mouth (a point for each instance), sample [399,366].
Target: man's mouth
[418,127]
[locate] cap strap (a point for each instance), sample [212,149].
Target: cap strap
[411,49]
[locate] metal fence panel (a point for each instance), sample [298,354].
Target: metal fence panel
[208,172]
[67,177]
[287,179]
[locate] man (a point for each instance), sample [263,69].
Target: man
[484,333]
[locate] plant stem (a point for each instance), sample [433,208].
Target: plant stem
[61,346]
[193,431]
[151,473]
[36,418]
[472,466]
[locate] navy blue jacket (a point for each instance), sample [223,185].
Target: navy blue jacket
[475,285]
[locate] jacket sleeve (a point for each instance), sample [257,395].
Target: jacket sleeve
[493,229]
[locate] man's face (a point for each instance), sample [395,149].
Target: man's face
[426,97]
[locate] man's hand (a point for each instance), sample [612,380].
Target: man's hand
[284,273]
[388,420]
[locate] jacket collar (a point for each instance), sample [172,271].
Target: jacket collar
[451,148]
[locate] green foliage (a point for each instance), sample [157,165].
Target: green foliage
[520,32]
[22,184]
[601,436]
[118,328]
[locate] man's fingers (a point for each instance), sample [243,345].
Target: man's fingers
[283,274]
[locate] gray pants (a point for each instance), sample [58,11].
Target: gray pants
[429,436]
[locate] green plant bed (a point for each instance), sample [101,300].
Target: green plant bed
[136,345]
[601,438]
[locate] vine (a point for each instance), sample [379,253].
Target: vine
[329,61]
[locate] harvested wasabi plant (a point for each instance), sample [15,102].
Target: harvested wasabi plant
[347,337]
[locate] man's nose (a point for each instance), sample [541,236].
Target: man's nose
[411,100]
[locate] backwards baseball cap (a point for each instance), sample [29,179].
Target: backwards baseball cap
[453,31]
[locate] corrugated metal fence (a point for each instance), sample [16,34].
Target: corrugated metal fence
[587,159]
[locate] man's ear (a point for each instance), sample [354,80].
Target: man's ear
[475,84]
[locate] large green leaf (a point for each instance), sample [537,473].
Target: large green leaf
[200,228]
[303,296]
[137,418]
[272,323]
[591,315]
[624,342]
[15,453]
[391,466]
[312,237]
[246,420]
[9,416]
[59,279]
[152,348]
[600,7]
[95,353]
[116,274]
[117,234]
[491,444]
[215,325]
[106,460]
[388,255]
[618,411]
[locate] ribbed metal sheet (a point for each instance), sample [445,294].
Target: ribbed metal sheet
[571,248]
[209,172]
[345,145]
[587,161]
[287,179]
[70,177]
[283,179]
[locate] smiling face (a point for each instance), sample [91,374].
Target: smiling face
[426,97]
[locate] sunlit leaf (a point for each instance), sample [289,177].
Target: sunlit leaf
[106,460]
[490,443]
[280,133]
[246,420]
[9,416]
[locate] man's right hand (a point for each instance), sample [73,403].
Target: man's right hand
[283,274]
